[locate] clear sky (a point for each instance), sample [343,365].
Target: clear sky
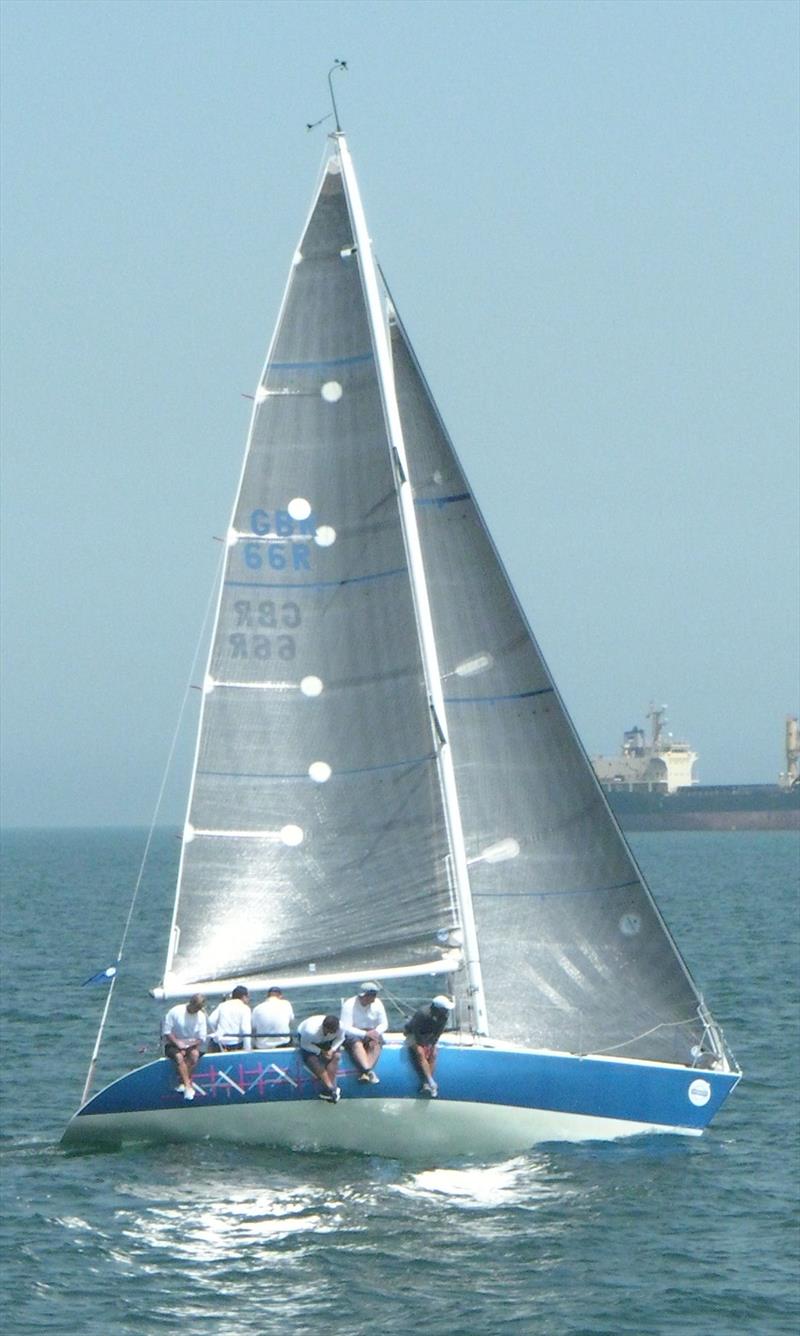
[588,215]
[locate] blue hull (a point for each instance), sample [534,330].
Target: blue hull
[492,1100]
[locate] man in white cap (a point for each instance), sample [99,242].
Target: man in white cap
[423,1031]
[363,1019]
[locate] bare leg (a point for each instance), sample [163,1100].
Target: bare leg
[192,1056]
[324,1069]
[184,1070]
[424,1059]
[331,1068]
[420,1061]
[372,1049]
[185,1061]
[365,1053]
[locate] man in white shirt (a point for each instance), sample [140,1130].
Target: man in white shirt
[364,1022]
[321,1039]
[272,1021]
[230,1024]
[184,1030]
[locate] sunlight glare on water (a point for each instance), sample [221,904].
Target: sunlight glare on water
[212,1226]
[514,1183]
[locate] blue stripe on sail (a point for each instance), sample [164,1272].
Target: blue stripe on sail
[544,895]
[331,361]
[440,501]
[338,774]
[313,584]
[493,700]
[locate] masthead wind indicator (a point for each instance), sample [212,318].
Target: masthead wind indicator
[312,125]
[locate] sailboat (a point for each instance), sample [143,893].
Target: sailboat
[387,785]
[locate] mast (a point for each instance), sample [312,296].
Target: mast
[430,660]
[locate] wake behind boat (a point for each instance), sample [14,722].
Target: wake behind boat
[387,784]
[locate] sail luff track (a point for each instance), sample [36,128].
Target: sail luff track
[377,320]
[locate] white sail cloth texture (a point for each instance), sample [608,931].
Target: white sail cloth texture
[574,953]
[316,836]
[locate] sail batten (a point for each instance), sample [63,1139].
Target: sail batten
[253,686]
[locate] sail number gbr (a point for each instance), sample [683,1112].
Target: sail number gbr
[257,622]
[282,551]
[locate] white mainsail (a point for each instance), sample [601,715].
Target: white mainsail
[316,840]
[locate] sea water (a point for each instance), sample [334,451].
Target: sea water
[653,1235]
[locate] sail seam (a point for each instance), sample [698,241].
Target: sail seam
[440,501]
[491,700]
[331,361]
[542,895]
[313,584]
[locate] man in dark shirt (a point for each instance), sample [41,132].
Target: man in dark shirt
[423,1032]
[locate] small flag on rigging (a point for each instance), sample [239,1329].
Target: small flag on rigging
[102,976]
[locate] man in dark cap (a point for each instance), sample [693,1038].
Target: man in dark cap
[229,1024]
[423,1031]
[321,1039]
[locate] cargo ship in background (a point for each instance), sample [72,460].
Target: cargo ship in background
[650,785]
